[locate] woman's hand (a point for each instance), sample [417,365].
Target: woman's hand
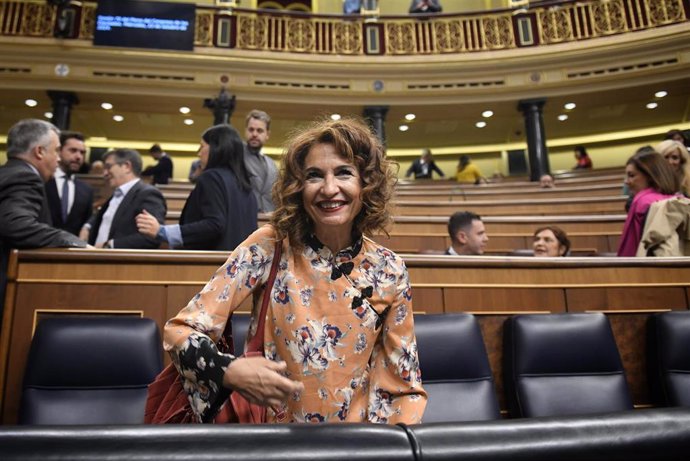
[260,381]
[147,224]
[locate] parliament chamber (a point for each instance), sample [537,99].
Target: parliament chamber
[305,63]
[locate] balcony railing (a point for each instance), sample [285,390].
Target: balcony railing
[278,31]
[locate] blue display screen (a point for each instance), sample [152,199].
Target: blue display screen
[141,24]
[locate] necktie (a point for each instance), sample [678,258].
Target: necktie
[64,200]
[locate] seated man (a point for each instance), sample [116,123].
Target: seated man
[426,6]
[114,226]
[546,182]
[467,234]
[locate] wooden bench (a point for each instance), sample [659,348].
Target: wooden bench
[156,284]
[479,193]
[583,182]
[563,206]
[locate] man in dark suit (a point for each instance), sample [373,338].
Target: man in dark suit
[32,152]
[424,166]
[162,171]
[426,6]
[114,226]
[467,234]
[70,199]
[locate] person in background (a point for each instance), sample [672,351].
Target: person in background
[550,242]
[649,178]
[546,181]
[114,226]
[195,171]
[262,170]
[677,156]
[424,166]
[96,168]
[583,160]
[467,234]
[32,158]
[425,6]
[162,171]
[468,172]
[352,6]
[339,342]
[70,199]
[221,211]
[678,135]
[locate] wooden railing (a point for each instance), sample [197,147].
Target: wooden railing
[291,32]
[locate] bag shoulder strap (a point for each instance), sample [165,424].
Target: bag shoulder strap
[256,342]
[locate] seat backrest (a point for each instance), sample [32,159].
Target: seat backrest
[455,369]
[560,364]
[240,328]
[90,370]
[668,358]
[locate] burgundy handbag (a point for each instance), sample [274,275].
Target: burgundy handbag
[167,403]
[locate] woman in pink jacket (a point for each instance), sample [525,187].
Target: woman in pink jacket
[649,178]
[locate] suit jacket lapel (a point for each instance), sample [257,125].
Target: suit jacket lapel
[124,204]
[53,201]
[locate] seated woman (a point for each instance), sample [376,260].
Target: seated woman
[649,178]
[550,242]
[338,338]
[677,156]
[583,160]
[221,210]
[468,172]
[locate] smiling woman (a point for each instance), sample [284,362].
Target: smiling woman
[338,335]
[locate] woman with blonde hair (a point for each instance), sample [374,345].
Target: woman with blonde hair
[338,334]
[677,156]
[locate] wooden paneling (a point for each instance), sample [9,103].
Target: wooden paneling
[69,299]
[630,297]
[157,284]
[503,299]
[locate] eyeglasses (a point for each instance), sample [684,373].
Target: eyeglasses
[107,166]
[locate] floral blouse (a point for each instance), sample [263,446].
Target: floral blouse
[343,324]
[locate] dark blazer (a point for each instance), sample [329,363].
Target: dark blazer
[81,208]
[425,6]
[161,171]
[418,171]
[123,230]
[218,214]
[25,216]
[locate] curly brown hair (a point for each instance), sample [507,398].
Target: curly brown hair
[355,142]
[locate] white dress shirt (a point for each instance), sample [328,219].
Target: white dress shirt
[107,221]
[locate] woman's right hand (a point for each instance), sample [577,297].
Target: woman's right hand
[261,381]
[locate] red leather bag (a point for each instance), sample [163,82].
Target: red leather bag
[167,403]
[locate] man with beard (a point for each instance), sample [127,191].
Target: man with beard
[70,199]
[262,170]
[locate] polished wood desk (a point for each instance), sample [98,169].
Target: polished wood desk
[157,283]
